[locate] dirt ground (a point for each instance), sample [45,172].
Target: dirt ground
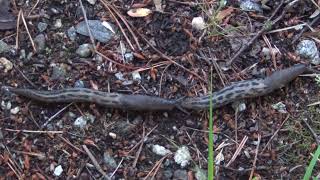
[173,59]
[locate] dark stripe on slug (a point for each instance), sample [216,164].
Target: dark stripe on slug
[243,85]
[113,95]
[254,83]
[228,96]
[240,91]
[220,98]
[225,90]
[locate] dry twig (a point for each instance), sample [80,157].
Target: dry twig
[94,161]
[275,133]
[255,157]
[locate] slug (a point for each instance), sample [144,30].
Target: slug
[245,89]
[234,92]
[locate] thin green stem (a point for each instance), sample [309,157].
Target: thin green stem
[210,148]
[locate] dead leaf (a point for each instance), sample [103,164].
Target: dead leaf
[26,162]
[139,12]
[224,13]
[89,142]
[153,73]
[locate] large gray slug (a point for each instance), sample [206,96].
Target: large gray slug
[234,92]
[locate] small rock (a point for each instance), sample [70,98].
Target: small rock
[240,106]
[160,150]
[119,76]
[113,135]
[80,122]
[58,23]
[182,156]
[85,50]
[198,23]
[72,33]
[127,82]
[109,160]
[200,174]
[55,10]
[5,106]
[128,57]
[4,62]
[58,171]
[58,73]
[79,84]
[92,1]
[248,5]
[15,110]
[40,41]
[136,76]
[98,31]
[280,107]
[167,174]
[42,26]
[4,47]
[180,175]
[23,54]
[29,56]
[308,50]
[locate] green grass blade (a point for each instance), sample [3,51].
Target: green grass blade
[313,161]
[210,148]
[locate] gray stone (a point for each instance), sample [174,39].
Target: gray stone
[308,49]
[136,76]
[22,54]
[167,174]
[72,33]
[180,175]
[79,84]
[42,26]
[128,57]
[248,5]
[109,160]
[4,47]
[85,50]
[40,41]
[200,174]
[58,23]
[98,31]
[58,73]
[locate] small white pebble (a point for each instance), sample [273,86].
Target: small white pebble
[113,135]
[182,156]
[160,150]
[15,110]
[58,23]
[136,76]
[6,64]
[58,171]
[198,23]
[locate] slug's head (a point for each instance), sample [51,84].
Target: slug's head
[280,78]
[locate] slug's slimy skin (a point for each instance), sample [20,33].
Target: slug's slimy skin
[246,89]
[234,92]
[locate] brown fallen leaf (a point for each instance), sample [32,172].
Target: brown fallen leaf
[224,13]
